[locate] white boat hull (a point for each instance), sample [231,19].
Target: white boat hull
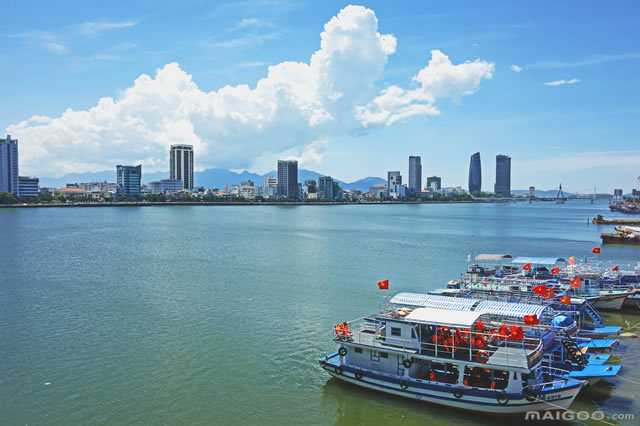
[610,302]
[560,400]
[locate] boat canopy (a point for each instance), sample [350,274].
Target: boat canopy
[488,257]
[444,317]
[538,260]
[433,301]
[513,310]
[460,305]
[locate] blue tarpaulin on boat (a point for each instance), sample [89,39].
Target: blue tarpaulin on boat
[599,344]
[538,260]
[592,371]
[597,359]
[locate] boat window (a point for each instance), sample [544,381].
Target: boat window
[384,355]
[443,373]
[357,350]
[486,378]
[413,333]
[396,331]
[375,356]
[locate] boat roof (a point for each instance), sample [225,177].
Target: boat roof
[444,317]
[520,260]
[433,301]
[460,305]
[489,257]
[512,310]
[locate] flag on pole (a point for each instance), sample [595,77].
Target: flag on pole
[383,284]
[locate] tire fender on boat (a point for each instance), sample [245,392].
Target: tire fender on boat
[407,363]
[404,386]
[342,351]
[338,370]
[359,375]
[530,395]
[458,393]
[502,398]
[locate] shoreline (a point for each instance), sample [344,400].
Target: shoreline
[238,203]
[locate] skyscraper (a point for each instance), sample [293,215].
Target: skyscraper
[503,176]
[415,174]
[128,179]
[475,174]
[288,179]
[181,165]
[9,165]
[325,188]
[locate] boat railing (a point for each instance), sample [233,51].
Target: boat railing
[462,344]
[552,378]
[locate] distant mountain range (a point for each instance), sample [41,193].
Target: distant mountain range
[210,178]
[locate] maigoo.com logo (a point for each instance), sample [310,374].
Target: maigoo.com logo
[576,415]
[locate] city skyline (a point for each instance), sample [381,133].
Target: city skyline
[116,102]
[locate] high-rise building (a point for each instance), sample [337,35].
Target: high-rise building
[288,179]
[128,179]
[503,176]
[28,187]
[325,188]
[9,165]
[393,179]
[415,174]
[475,174]
[270,186]
[181,165]
[434,183]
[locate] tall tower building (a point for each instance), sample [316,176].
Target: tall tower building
[128,179]
[475,174]
[415,174]
[181,165]
[9,165]
[288,179]
[503,176]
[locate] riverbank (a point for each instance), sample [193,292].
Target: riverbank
[242,203]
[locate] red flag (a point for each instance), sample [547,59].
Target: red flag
[539,289]
[595,250]
[576,282]
[555,270]
[615,268]
[383,284]
[527,267]
[548,293]
[565,300]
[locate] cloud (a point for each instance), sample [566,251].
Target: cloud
[439,79]
[295,109]
[97,27]
[48,40]
[590,60]
[242,41]
[251,64]
[246,23]
[516,68]
[562,82]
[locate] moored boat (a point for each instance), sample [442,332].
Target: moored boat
[456,358]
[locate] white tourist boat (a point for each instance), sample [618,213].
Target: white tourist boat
[450,357]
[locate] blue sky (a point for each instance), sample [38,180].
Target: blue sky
[580,128]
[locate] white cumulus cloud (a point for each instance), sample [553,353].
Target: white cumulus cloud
[561,82]
[439,79]
[293,110]
[516,68]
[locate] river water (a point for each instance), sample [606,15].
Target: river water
[217,315]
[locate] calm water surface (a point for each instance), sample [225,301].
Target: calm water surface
[217,315]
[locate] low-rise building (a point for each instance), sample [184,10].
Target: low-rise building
[165,186]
